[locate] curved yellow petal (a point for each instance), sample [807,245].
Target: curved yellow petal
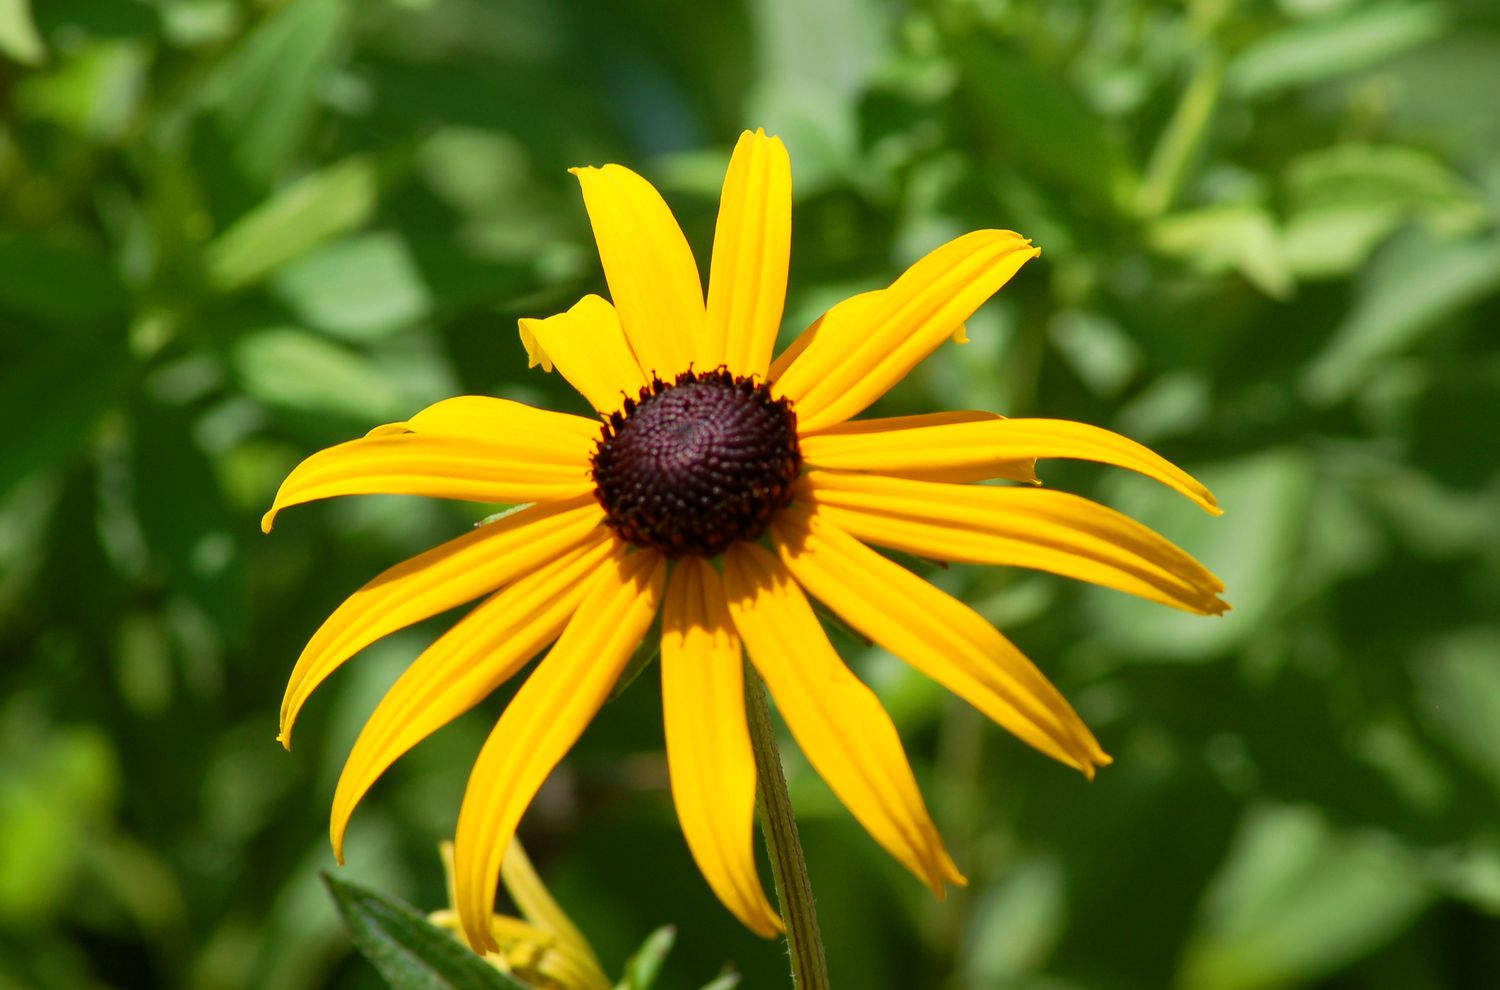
[649,267]
[536,904]
[988,447]
[445,576]
[542,722]
[935,633]
[463,666]
[708,740]
[588,347]
[752,249]
[852,362]
[839,723]
[439,465]
[888,442]
[486,418]
[843,318]
[1023,527]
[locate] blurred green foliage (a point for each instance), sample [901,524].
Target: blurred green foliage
[235,231]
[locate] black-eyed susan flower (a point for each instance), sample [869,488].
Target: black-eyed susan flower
[720,488]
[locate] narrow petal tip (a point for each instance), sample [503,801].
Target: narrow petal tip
[268,520]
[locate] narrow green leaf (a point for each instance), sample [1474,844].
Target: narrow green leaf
[643,967]
[265,94]
[408,951]
[315,208]
[728,981]
[1336,46]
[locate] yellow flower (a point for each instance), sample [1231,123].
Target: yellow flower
[543,946]
[711,452]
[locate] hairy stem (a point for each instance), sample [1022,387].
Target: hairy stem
[788,866]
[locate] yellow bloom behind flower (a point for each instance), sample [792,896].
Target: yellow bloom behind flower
[708,449]
[542,947]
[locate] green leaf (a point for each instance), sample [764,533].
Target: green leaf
[1344,200]
[728,981]
[816,60]
[1458,690]
[310,211]
[288,367]
[1413,286]
[359,287]
[1297,900]
[1334,47]
[266,93]
[643,967]
[1255,547]
[1233,237]
[408,951]
[1039,118]
[96,93]
[18,34]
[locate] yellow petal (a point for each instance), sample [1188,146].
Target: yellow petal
[934,632]
[530,895]
[708,740]
[439,465]
[886,446]
[484,417]
[447,575]
[1023,527]
[987,447]
[844,318]
[649,267]
[850,363]
[542,722]
[463,666]
[589,349]
[752,247]
[839,723]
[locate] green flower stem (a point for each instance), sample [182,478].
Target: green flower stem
[788,866]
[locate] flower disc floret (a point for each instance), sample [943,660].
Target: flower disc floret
[697,464]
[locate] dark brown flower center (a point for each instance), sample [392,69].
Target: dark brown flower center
[697,464]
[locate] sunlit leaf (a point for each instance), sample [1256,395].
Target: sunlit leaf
[1235,237]
[315,208]
[359,287]
[18,34]
[288,367]
[1296,900]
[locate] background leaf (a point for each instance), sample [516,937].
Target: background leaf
[409,952]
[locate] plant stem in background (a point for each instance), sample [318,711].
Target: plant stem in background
[1180,141]
[788,866]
